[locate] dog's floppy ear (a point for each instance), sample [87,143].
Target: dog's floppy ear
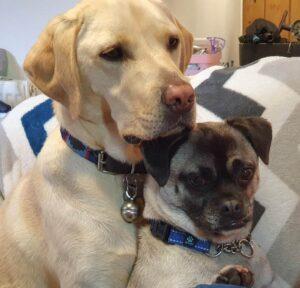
[187,41]
[52,63]
[258,131]
[158,154]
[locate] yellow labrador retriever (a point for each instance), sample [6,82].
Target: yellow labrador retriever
[114,69]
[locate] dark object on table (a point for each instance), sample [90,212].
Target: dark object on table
[262,39]
[296,29]
[264,31]
[261,31]
[4,108]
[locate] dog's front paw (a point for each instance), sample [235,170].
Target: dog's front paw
[235,275]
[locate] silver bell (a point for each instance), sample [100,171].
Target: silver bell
[129,211]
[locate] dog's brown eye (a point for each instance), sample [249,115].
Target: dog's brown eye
[203,178]
[246,174]
[113,54]
[242,171]
[173,43]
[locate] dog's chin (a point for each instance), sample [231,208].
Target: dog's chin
[138,139]
[225,235]
[132,139]
[171,124]
[228,236]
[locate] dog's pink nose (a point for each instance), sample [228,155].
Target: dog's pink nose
[179,98]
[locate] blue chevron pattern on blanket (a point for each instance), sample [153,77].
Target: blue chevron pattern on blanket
[33,123]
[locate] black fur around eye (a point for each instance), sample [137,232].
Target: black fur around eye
[173,43]
[114,54]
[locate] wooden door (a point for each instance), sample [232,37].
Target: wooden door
[274,12]
[253,9]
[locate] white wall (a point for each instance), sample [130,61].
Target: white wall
[21,21]
[222,18]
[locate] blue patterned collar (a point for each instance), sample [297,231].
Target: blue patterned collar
[173,236]
[104,162]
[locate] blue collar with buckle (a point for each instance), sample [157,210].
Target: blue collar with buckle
[104,162]
[173,236]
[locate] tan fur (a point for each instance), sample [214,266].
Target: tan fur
[62,227]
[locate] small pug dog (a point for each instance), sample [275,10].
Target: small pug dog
[202,189]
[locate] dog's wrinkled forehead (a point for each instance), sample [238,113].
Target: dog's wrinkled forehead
[137,15]
[212,145]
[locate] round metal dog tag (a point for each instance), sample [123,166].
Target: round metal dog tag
[129,211]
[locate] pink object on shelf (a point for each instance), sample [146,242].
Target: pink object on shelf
[201,62]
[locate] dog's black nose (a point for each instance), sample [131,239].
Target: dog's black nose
[232,209]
